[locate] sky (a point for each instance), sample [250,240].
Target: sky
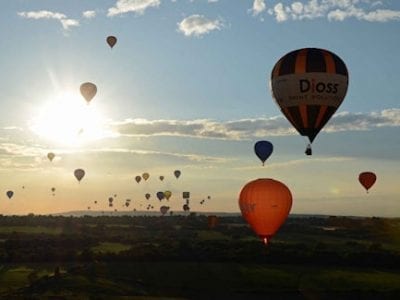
[186,88]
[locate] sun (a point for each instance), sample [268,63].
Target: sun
[66,119]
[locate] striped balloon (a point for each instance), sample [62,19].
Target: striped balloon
[309,85]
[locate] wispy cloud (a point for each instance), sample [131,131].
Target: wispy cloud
[89,14]
[198,25]
[333,10]
[245,129]
[135,6]
[298,162]
[183,156]
[45,14]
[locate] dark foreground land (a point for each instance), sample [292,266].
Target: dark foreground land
[179,257]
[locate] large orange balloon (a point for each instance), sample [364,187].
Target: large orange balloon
[309,85]
[367,179]
[265,204]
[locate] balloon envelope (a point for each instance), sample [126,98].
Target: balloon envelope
[10,194]
[177,173]
[50,156]
[160,195]
[161,178]
[167,194]
[164,209]
[111,41]
[265,205]
[88,91]
[145,176]
[367,179]
[212,221]
[138,179]
[309,85]
[263,150]
[79,173]
[147,196]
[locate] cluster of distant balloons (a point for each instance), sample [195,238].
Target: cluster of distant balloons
[308,85]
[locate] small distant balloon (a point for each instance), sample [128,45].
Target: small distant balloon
[147,196]
[263,150]
[160,195]
[212,221]
[79,173]
[88,91]
[164,209]
[10,194]
[367,179]
[145,176]
[167,194]
[161,178]
[177,173]
[138,179]
[50,156]
[53,189]
[111,41]
[186,207]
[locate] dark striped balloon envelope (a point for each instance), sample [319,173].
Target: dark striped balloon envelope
[309,85]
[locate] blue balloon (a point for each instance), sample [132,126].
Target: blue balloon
[263,150]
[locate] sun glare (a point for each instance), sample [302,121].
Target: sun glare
[67,120]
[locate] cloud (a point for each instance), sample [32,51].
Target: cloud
[45,14]
[334,10]
[135,6]
[298,162]
[183,156]
[247,129]
[198,25]
[89,14]
[258,7]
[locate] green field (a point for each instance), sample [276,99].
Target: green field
[180,258]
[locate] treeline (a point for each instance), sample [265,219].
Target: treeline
[320,241]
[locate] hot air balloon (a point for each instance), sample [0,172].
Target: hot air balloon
[111,41]
[88,91]
[185,195]
[10,194]
[147,196]
[167,194]
[53,189]
[145,176]
[138,179]
[164,209]
[367,179]
[50,156]
[79,173]
[265,205]
[309,85]
[212,221]
[161,178]
[160,195]
[177,173]
[263,150]
[185,207]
